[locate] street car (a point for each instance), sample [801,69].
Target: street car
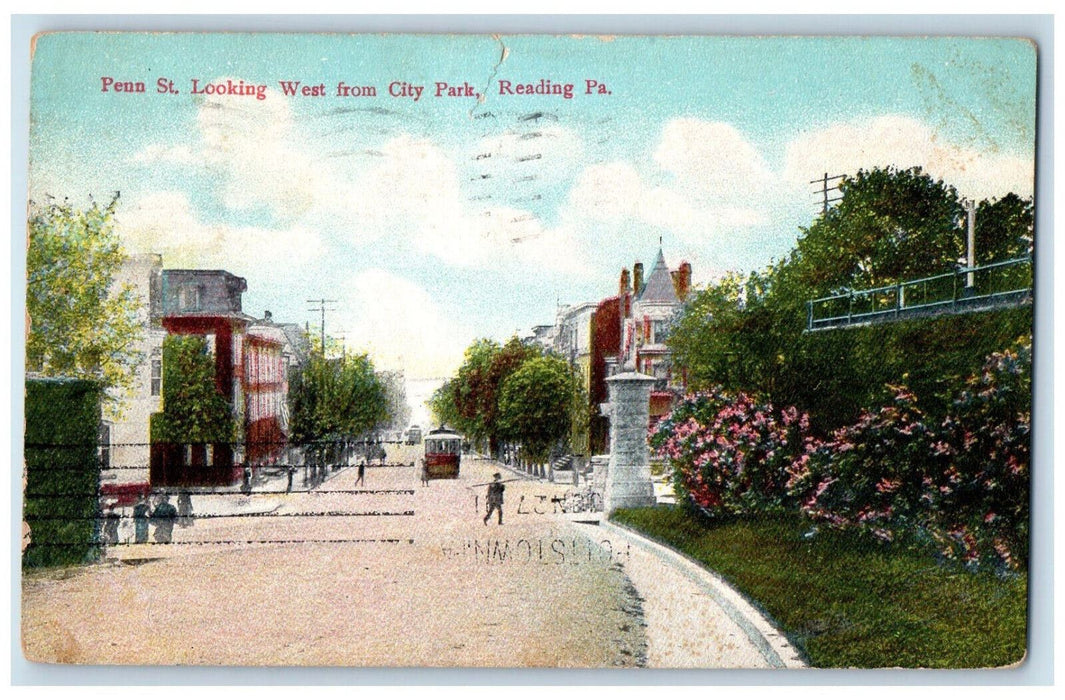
[443,452]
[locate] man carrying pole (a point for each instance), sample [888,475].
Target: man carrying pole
[494,499]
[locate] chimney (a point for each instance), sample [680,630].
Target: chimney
[637,278]
[623,285]
[684,280]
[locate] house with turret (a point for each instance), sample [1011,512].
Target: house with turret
[647,310]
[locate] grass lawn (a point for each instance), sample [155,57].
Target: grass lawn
[848,604]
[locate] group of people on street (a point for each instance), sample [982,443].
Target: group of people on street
[163,516]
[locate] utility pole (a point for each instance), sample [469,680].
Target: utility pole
[342,336]
[321,306]
[970,242]
[825,189]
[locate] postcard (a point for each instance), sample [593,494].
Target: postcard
[511,351]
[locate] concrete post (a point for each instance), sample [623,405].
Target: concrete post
[628,478]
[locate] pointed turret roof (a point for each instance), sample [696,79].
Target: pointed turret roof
[659,284]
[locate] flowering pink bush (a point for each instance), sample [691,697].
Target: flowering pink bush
[984,494]
[874,475]
[961,486]
[730,454]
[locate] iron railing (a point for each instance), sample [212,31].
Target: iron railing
[1002,283]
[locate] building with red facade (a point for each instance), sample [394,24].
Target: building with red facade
[650,308]
[625,332]
[250,372]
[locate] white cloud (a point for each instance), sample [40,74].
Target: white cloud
[254,143]
[262,160]
[615,193]
[712,160]
[416,188]
[710,182]
[608,192]
[904,142]
[411,189]
[553,151]
[400,325]
[164,222]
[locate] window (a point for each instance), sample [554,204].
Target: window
[157,373]
[105,446]
[661,331]
[190,298]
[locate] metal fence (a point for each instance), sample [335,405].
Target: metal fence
[1003,283]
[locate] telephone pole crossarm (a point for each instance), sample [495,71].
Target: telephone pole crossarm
[825,189]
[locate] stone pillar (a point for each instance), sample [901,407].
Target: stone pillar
[628,478]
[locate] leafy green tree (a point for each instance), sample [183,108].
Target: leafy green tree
[336,399]
[82,325]
[469,388]
[443,408]
[726,335]
[1004,228]
[889,225]
[506,362]
[535,405]
[194,410]
[475,389]
[747,334]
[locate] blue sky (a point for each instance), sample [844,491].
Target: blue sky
[437,221]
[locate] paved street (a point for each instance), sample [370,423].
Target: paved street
[389,573]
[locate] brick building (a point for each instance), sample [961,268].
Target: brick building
[251,358]
[626,332]
[650,307]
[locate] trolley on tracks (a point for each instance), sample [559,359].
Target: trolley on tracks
[443,452]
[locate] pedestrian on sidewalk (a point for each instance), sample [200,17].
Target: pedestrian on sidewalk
[141,512]
[362,473]
[494,499]
[111,520]
[245,487]
[184,509]
[164,516]
[291,472]
[425,472]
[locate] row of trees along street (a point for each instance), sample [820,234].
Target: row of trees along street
[512,400]
[335,401]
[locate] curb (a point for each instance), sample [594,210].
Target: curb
[770,641]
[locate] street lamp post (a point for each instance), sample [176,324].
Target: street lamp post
[970,243]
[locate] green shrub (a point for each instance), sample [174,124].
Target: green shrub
[62,471]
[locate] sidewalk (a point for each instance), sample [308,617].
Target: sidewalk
[268,494]
[694,618]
